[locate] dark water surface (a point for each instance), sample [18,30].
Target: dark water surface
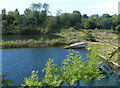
[19,63]
[29,36]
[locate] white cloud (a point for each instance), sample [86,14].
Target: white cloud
[110,7]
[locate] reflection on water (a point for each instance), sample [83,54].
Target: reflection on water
[27,37]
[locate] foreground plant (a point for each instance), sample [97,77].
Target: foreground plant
[32,80]
[4,81]
[74,69]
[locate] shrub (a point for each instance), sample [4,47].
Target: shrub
[74,69]
[118,28]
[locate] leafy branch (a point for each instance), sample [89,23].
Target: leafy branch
[74,69]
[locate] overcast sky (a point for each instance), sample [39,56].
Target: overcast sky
[89,7]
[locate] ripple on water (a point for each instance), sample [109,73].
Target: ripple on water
[19,63]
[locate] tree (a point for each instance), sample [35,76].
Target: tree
[46,6]
[118,28]
[75,18]
[114,21]
[4,14]
[105,21]
[51,26]
[118,18]
[65,20]
[90,23]
[106,15]
[96,21]
[58,13]
[17,12]
[36,7]
[95,16]
[37,15]
[10,17]
[85,16]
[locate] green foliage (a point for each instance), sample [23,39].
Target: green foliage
[89,36]
[85,16]
[118,28]
[105,21]
[33,80]
[51,78]
[74,68]
[35,7]
[77,68]
[51,26]
[5,82]
[36,16]
[90,23]
[29,30]
[75,18]
[65,20]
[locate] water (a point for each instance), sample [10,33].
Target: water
[27,37]
[19,63]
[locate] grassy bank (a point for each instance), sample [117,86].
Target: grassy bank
[106,45]
[68,36]
[37,43]
[106,41]
[105,51]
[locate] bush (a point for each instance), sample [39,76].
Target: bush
[74,69]
[89,36]
[118,28]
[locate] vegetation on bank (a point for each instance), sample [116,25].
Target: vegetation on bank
[67,36]
[107,45]
[34,43]
[104,45]
[73,27]
[38,19]
[65,39]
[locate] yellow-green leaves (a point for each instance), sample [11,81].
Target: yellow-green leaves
[74,68]
[32,80]
[51,78]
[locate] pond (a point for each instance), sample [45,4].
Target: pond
[19,63]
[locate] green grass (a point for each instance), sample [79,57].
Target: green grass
[70,36]
[106,35]
[104,50]
[35,43]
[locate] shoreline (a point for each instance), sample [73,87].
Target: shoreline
[104,44]
[112,64]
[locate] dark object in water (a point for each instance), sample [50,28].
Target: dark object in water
[106,67]
[102,71]
[111,73]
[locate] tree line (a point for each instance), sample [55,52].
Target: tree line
[38,19]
